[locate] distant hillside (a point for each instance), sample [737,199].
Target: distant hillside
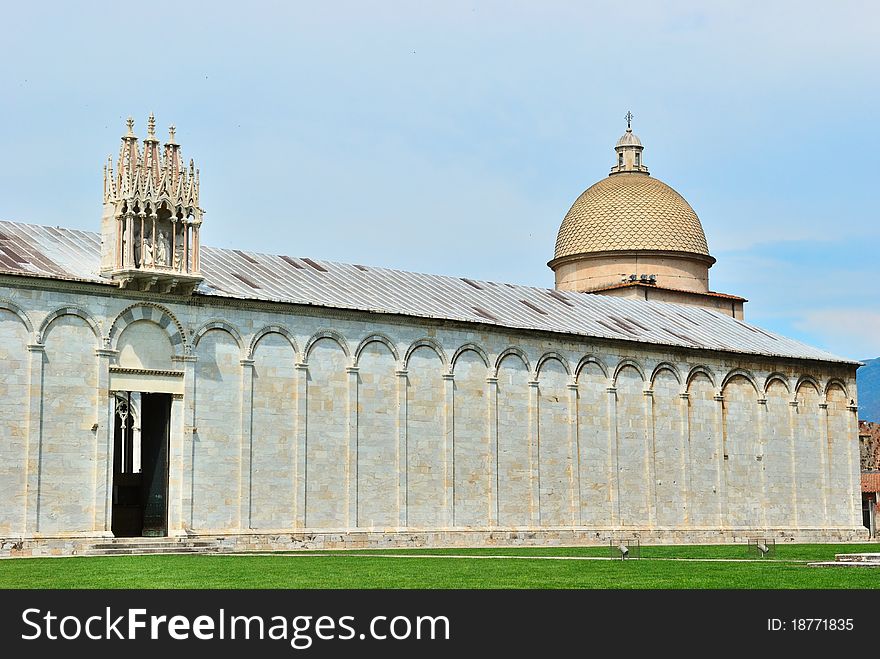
[868,380]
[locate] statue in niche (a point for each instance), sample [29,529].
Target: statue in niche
[162,248]
[148,254]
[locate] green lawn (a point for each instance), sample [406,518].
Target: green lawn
[657,569]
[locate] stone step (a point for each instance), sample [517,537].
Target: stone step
[151,545]
[132,551]
[857,558]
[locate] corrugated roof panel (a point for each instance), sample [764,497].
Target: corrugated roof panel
[75,255]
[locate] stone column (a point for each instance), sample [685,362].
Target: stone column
[492,411]
[196,256]
[574,454]
[449,450]
[351,519]
[184,260]
[534,455]
[402,450]
[37,353]
[246,445]
[685,457]
[613,456]
[650,458]
[299,454]
[119,257]
[129,243]
[106,411]
[180,450]
[721,477]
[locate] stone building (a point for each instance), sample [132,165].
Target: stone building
[869,450]
[154,386]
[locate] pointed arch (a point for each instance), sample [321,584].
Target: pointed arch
[13,308]
[156,313]
[218,325]
[426,343]
[835,382]
[701,370]
[470,346]
[513,350]
[333,335]
[776,376]
[376,337]
[46,325]
[590,359]
[666,366]
[629,362]
[547,356]
[740,372]
[272,329]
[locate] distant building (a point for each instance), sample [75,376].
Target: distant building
[869,452]
[154,386]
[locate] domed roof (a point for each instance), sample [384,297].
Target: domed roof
[630,211]
[629,138]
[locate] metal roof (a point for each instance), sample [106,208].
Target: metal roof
[56,253]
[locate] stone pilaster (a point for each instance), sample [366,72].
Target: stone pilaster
[826,460]
[37,354]
[351,515]
[650,458]
[534,456]
[449,450]
[106,410]
[721,477]
[574,455]
[760,451]
[613,456]
[794,429]
[685,457]
[246,443]
[299,453]
[492,411]
[180,451]
[402,450]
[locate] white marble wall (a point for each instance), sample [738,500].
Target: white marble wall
[306,419]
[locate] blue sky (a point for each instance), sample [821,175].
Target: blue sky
[453,137]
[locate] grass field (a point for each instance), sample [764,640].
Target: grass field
[715,566]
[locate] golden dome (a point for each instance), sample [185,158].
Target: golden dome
[630,211]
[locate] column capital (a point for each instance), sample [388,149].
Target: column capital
[401,373]
[492,380]
[184,358]
[448,376]
[352,369]
[762,401]
[36,347]
[246,362]
[106,352]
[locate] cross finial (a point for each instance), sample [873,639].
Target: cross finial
[629,118]
[130,124]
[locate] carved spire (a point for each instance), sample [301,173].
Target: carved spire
[151,212]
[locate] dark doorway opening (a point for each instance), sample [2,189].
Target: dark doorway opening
[140,464]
